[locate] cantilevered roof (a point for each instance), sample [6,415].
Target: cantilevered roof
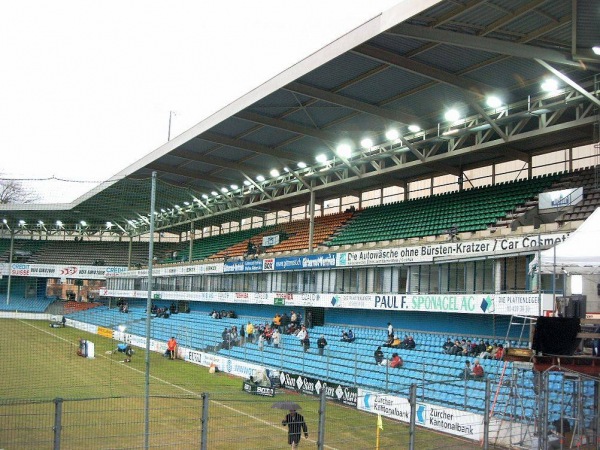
[406,66]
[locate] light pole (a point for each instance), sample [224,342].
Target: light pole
[171,114]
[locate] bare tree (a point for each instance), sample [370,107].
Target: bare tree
[13,191]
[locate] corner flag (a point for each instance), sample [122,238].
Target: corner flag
[379,422]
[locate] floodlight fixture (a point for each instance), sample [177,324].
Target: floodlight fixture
[41,223]
[452,115]
[21,222]
[162,210]
[186,203]
[205,196]
[247,183]
[302,165]
[59,223]
[234,187]
[321,158]
[215,193]
[392,134]
[414,128]
[366,143]
[596,49]
[493,102]
[4,221]
[274,173]
[260,178]
[224,190]
[83,223]
[344,151]
[550,85]
[286,169]
[109,224]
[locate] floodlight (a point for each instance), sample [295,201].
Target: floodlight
[4,221]
[58,223]
[108,224]
[452,115]
[274,173]
[414,128]
[392,134]
[260,178]
[21,222]
[493,101]
[224,190]
[366,143]
[321,158]
[302,165]
[186,203]
[234,187]
[247,183]
[83,223]
[596,49]
[205,196]
[40,223]
[550,85]
[215,193]
[344,151]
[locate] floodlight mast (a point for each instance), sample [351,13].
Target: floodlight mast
[148,315]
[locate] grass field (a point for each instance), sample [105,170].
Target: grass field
[104,402]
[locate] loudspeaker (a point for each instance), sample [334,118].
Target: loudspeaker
[556,335]
[572,306]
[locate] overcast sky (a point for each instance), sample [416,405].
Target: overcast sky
[86,87]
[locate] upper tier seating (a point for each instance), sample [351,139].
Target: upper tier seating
[469,210]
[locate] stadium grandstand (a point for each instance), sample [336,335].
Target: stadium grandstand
[418,172]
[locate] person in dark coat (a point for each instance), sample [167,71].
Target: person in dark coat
[296,425]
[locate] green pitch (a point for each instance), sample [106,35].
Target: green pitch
[103,402]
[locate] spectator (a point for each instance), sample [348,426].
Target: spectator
[172,347]
[226,339]
[466,347]
[499,355]
[488,352]
[396,342]
[302,336]
[293,318]
[242,335]
[396,361]
[389,341]
[390,330]
[467,370]
[285,321]
[306,343]
[276,321]
[447,346]
[234,335]
[481,347]
[379,357]
[477,372]
[250,332]
[321,343]
[348,337]
[261,342]
[409,343]
[309,320]
[456,348]
[276,338]
[268,333]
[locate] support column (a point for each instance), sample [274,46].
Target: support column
[10,261]
[192,234]
[311,226]
[129,252]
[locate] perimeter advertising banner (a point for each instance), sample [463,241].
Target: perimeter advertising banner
[447,420]
[458,249]
[503,304]
[312,386]
[61,271]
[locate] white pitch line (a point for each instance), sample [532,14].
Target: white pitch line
[168,383]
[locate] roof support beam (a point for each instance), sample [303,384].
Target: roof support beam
[288,126]
[424,70]
[246,145]
[211,159]
[567,80]
[350,103]
[187,173]
[483,43]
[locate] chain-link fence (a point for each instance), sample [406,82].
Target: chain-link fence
[412,419]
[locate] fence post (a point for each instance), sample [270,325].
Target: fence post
[322,405]
[543,435]
[486,415]
[413,416]
[204,421]
[58,402]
